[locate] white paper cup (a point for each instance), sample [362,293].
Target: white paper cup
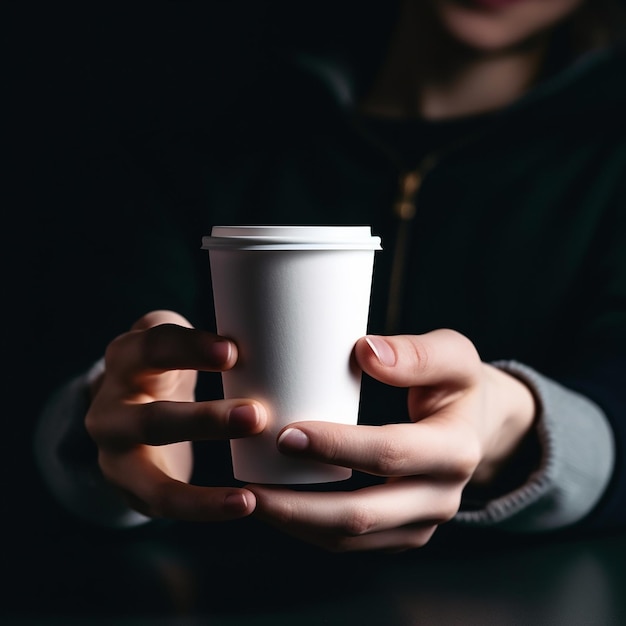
[294,299]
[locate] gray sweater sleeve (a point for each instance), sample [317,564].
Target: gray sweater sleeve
[578,457]
[72,476]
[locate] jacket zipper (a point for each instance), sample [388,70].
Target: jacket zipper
[404,210]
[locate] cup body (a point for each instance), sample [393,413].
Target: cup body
[294,300]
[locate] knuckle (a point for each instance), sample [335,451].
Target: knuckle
[420,537]
[92,426]
[114,350]
[360,521]
[136,503]
[390,457]
[450,505]
[144,426]
[285,515]
[338,544]
[159,500]
[104,433]
[109,432]
[152,346]
[463,347]
[458,337]
[148,345]
[108,464]
[330,445]
[466,461]
[105,467]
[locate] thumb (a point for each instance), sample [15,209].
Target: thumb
[440,356]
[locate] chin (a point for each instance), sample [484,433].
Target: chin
[498,25]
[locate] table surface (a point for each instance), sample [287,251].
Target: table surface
[243,573]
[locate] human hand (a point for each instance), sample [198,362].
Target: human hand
[143,418]
[468,419]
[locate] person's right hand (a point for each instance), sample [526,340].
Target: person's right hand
[143,418]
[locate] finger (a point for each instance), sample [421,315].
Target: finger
[153,493]
[402,539]
[161,316]
[441,447]
[162,422]
[358,513]
[397,540]
[441,356]
[169,347]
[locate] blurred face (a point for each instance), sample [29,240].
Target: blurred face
[493,25]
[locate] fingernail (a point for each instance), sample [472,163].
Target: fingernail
[293,439]
[381,349]
[235,503]
[243,417]
[221,351]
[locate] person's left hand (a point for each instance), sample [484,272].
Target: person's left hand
[468,419]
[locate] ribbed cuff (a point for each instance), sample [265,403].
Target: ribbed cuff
[67,459]
[578,456]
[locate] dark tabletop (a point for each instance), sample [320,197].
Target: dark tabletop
[243,573]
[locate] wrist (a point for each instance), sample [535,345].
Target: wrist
[512,448]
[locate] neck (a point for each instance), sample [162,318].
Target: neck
[427,75]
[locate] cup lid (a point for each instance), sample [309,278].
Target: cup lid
[263,237]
